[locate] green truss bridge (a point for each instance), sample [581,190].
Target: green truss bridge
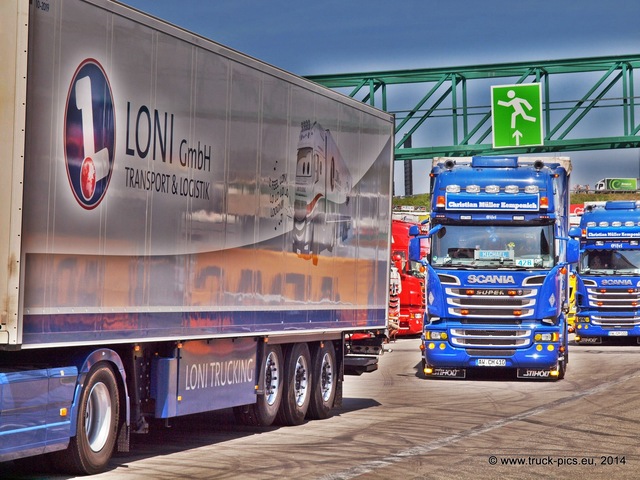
[587,104]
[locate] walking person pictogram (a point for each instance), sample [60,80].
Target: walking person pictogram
[518,104]
[517,115]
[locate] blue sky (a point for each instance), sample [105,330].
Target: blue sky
[342,36]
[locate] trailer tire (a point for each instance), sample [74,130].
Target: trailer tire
[296,385]
[324,385]
[91,448]
[264,412]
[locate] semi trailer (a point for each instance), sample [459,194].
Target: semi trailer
[160,202]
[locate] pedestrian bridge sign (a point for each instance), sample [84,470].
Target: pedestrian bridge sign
[516,112]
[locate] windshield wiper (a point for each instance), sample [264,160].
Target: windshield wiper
[597,271]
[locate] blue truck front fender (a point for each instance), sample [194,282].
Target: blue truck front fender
[100,355]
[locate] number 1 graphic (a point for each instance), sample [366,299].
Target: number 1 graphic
[95,165]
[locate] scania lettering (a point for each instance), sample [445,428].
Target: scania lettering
[497,269]
[626,282]
[160,201]
[490,278]
[608,283]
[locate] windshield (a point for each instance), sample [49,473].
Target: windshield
[603,262]
[304,162]
[489,246]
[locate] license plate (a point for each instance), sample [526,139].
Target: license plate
[618,333]
[492,362]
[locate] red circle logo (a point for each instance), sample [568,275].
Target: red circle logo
[88,178]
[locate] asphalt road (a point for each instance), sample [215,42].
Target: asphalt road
[396,424]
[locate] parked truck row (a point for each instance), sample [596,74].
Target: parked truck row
[184,229]
[188,229]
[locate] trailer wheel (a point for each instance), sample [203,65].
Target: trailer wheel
[90,449]
[263,413]
[323,362]
[296,385]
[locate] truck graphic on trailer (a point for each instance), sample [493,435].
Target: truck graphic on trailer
[323,185]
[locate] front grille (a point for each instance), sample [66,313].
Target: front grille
[473,337]
[614,298]
[491,321]
[612,322]
[477,352]
[492,303]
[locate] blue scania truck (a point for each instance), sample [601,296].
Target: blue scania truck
[497,289]
[608,286]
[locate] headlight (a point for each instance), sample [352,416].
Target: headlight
[546,337]
[436,335]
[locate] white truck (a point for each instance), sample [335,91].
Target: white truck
[157,263]
[617,184]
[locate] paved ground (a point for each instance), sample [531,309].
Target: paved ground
[396,424]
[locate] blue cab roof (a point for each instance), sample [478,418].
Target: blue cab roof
[500,171]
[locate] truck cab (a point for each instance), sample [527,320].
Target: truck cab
[412,274]
[608,287]
[497,281]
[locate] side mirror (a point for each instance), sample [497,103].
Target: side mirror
[575,232]
[414,249]
[435,230]
[573,250]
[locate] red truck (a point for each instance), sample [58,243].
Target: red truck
[412,274]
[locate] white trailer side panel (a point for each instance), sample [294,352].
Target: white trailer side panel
[163,172]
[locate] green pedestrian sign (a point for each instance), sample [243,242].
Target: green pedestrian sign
[517,115]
